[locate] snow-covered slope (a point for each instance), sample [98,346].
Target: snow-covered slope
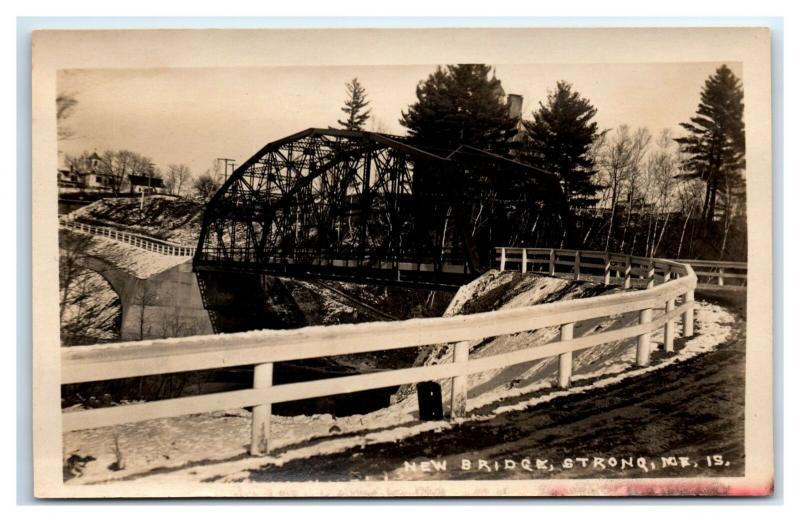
[497,290]
[164,217]
[137,261]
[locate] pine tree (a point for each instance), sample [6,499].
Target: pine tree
[354,106]
[559,140]
[460,104]
[715,143]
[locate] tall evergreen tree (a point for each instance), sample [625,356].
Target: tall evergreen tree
[715,143]
[460,104]
[559,139]
[354,106]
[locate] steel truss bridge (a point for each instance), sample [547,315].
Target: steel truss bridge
[366,206]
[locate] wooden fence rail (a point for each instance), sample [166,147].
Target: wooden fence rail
[630,270]
[147,243]
[671,282]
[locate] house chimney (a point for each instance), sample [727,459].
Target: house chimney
[514,103]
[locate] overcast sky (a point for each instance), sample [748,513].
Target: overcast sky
[193,116]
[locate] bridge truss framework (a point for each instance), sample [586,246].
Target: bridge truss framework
[326,201]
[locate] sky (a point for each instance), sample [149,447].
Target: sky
[193,116]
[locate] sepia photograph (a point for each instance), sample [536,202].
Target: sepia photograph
[426,273]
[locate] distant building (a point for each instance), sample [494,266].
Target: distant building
[514,103]
[146,184]
[69,179]
[86,177]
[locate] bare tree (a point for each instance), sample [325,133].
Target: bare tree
[122,164]
[173,325]
[89,309]
[689,196]
[661,167]
[145,297]
[633,182]
[619,157]
[79,163]
[204,187]
[177,178]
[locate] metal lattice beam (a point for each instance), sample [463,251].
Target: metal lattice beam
[371,200]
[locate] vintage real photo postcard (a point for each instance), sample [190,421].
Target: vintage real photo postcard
[461,262]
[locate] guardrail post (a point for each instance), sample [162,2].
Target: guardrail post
[262,378]
[577,267]
[651,275]
[669,327]
[552,262]
[458,395]
[502,258]
[607,269]
[565,359]
[721,277]
[524,260]
[688,315]
[627,272]
[643,347]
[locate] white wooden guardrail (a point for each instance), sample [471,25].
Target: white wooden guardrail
[719,273]
[630,270]
[147,243]
[671,282]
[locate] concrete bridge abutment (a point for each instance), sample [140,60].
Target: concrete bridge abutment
[166,304]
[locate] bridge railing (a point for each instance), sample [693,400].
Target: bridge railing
[147,243]
[248,255]
[631,271]
[672,292]
[719,273]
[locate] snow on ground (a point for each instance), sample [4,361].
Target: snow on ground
[497,290]
[138,261]
[214,445]
[321,305]
[166,217]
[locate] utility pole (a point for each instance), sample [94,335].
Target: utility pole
[150,171]
[227,161]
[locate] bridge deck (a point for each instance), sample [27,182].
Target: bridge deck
[418,275]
